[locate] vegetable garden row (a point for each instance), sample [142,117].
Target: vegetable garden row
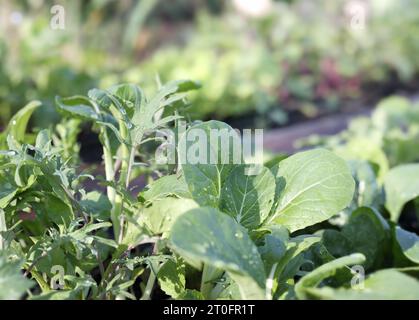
[302,59]
[336,221]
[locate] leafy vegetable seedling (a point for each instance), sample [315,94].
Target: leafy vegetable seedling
[297,229]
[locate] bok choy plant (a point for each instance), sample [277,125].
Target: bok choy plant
[202,229]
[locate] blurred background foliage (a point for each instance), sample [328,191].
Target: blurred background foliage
[261,63]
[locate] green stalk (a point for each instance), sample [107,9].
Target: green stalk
[149,287]
[118,202]
[107,157]
[41,282]
[209,275]
[127,162]
[3,228]
[109,165]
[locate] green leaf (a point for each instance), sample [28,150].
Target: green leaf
[8,190]
[56,210]
[407,243]
[171,185]
[18,124]
[145,119]
[160,217]
[367,191]
[290,263]
[336,243]
[43,140]
[97,205]
[366,232]
[273,249]
[318,185]
[401,185]
[392,112]
[12,283]
[57,295]
[248,198]
[77,106]
[381,285]
[362,148]
[189,294]
[100,97]
[171,277]
[201,157]
[3,231]
[314,278]
[129,94]
[369,235]
[206,235]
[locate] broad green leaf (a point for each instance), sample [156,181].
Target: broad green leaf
[295,247]
[401,185]
[274,160]
[314,278]
[171,277]
[407,243]
[166,186]
[369,234]
[381,285]
[288,265]
[206,235]
[135,233]
[272,251]
[366,232]
[316,256]
[318,184]
[248,198]
[208,153]
[336,243]
[77,106]
[55,210]
[161,215]
[97,205]
[12,283]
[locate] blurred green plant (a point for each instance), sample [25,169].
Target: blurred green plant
[238,73]
[301,56]
[388,138]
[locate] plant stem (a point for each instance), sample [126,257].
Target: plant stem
[107,157]
[209,275]
[149,287]
[33,264]
[3,228]
[41,282]
[109,166]
[130,165]
[118,201]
